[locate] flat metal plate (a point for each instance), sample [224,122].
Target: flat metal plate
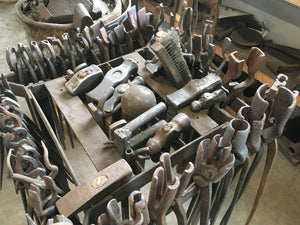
[200,121]
[83,125]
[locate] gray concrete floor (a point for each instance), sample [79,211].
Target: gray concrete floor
[280,204]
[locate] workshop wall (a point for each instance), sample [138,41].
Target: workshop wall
[280,30]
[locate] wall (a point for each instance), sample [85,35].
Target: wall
[284,30]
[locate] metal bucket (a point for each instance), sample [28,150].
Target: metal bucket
[38,31]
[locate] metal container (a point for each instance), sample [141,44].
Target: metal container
[38,31]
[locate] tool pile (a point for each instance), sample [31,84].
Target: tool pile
[159,98]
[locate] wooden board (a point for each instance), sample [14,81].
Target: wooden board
[83,125]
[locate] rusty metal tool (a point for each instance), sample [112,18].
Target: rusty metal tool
[138,208]
[123,135]
[112,78]
[49,57]
[167,133]
[84,80]
[69,49]
[208,99]
[235,68]
[160,198]
[38,58]
[28,61]
[211,165]
[225,46]
[177,204]
[159,16]
[253,61]
[119,91]
[95,188]
[194,89]
[15,65]
[171,57]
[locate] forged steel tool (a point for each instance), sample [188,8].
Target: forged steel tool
[235,68]
[194,89]
[212,163]
[112,78]
[167,133]
[208,99]
[123,135]
[161,195]
[84,80]
[253,61]
[119,91]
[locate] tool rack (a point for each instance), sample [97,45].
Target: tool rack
[205,124]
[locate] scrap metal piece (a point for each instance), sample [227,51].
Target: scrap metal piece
[168,133]
[194,89]
[112,78]
[84,80]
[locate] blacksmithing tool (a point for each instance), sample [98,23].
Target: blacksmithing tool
[112,78]
[84,80]
[123,135]
[119,91]
[167,133]
[235,68]
[253,61]
[208,99]
[194,89]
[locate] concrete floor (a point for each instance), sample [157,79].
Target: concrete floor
[280,204]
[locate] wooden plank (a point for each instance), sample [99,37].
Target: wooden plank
[83,125]
[95,188]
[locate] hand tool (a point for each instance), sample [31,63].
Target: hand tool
[159,16]
[28,61]
[208,99]
[182,13]
[160,198]
[49,57]
[177,204]
[82,47]
[69,49]
[123,135]
[253,61]
[211,165]
[15,66]
[138,208]
[84,80]
[167,133]
[119,91]
[235,68]
[172,60]
[39,59]
[194,89]
[112,78]
[136,100]
[225,46]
